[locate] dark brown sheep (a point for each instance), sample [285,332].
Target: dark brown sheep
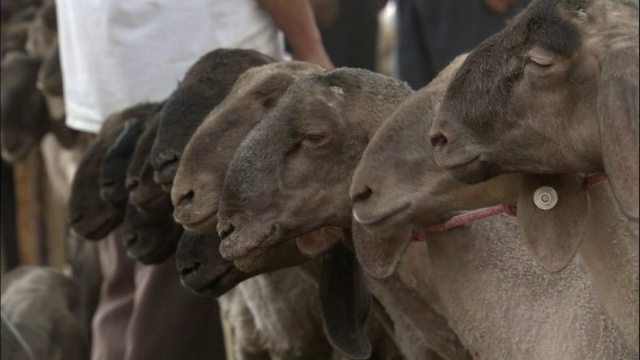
[89,215]
[204,86]
[202,168]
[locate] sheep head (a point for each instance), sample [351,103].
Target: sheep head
[204,86]
[198,183]
[555,92]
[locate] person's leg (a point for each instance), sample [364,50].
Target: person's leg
[169,322]
[111,319]
[413,61]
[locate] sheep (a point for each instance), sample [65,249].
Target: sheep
[555,92]
[481,295]
[39,316]
[150,235]
[142,190]
[513,98]
[89,215]
[113,170]
[204,86]
[206,156]
[202,268]
[437,335]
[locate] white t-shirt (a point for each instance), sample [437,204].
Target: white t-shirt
[116,53]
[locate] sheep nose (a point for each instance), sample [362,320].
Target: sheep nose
[438,139]
[187,269]
[185,199]
[132,184]
[130,240]
[225,229]
[162,159]
[362,195]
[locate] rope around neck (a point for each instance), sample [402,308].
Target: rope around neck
[18,336]
[463,219]
[471,216]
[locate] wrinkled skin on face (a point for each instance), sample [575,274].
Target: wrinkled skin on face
[114,167]
[397,183]
[291,174]
[204,271]
[198,183]
[89,215]
[205,85]
[24,119]
[555,92]
[150,238]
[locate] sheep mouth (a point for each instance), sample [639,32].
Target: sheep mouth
[448,162]
[212,287]
[146,199]
[248,242]
[98,232]
[370,219]
[205,225]
[150,256]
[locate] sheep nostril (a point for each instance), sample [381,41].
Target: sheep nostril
[161,160]
[186,198]
[438,140]
[223,233]
[362,195]
[186,270]
[131,240]
[132,184]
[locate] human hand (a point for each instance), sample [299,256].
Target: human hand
[498,6]
[317,56]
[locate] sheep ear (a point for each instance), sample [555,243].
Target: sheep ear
[378,256]
[618,116]
[319,241]
[553,235]
[345,303]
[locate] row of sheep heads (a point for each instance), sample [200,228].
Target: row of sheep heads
[549,103]
[32,92]
[302,170]
[117,184]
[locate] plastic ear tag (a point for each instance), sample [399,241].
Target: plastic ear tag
[545,198]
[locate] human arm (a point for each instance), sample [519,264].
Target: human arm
[295,19]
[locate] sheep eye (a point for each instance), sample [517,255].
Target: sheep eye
[541,61]
[314,139]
